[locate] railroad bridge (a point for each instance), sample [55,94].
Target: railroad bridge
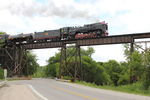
[11,57]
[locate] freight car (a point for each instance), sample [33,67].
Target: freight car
[20,38]
[48,35]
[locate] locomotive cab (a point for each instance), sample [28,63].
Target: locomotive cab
[64,32]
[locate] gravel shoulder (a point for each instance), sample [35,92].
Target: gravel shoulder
[17,92]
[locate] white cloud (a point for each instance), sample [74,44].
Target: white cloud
[104,53]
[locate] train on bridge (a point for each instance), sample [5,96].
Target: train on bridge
[94,30]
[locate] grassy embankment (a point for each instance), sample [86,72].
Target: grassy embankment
[135,88]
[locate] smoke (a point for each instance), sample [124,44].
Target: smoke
[31,8]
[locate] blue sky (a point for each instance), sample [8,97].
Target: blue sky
[41,1]
[122,16]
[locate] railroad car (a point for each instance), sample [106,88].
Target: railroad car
[20,38]
[48,35]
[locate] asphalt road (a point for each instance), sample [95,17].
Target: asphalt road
[49,89]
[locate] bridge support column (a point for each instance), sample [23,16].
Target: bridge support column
[11,58]
[70,62]
[131,47]
[131,51]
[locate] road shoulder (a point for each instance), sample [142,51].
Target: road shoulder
[17,92]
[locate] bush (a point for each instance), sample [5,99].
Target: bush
[40,72]
[1,73]
[52,70]
[124,79]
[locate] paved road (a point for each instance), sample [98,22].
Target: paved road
[54,90]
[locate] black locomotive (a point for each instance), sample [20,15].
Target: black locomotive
[94,30]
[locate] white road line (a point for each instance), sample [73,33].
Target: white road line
[37,93]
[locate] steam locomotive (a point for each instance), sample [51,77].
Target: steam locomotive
[94,30]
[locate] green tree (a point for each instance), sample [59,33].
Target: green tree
[128,51]
[52,70]
[102,78]
[71,58]
[1,70]
[1,73]
[93,72]
[31,64]
[136,66]
[113,68]
[2,32]
[40,72]
[146,75]
[125,74]
[1,41]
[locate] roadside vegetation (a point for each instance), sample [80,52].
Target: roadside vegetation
[1,41]
[135,88]
[1,73]
[1,70]
[31,66]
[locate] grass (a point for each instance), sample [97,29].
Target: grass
[19,78]
[135,88]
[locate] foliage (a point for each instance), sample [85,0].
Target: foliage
[40,72]
[146,75]
[93,72]
[135,88]
[52,70]
[128,51]
[1,70]
[2,32]
[135,66]
[124,77]
[113,69]
[53,62]
[87,52]
[1,41]
[31,64]
[1,73]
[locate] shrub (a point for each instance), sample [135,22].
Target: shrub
[1,73]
